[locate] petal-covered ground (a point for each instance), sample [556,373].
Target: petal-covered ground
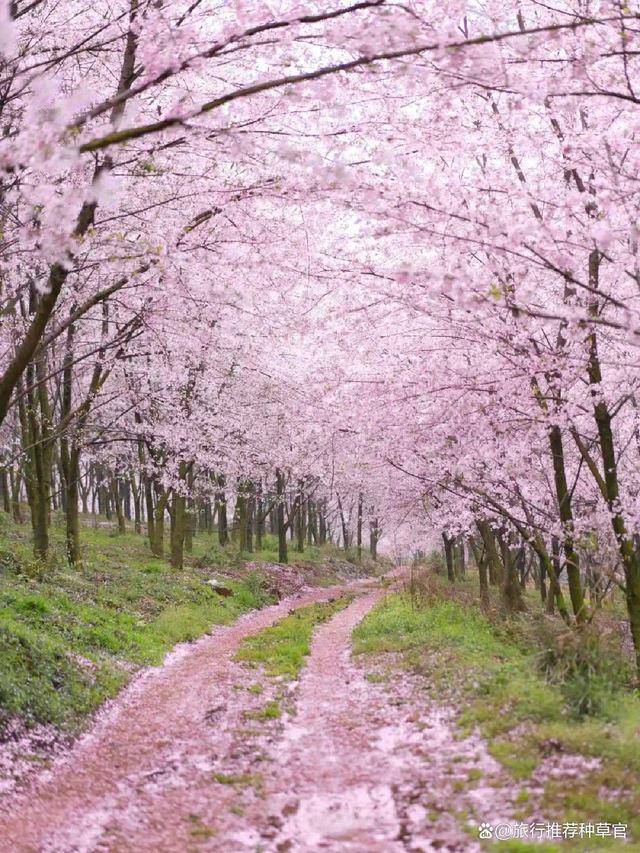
[191,758]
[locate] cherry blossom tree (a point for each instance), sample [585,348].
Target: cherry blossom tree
[343,268]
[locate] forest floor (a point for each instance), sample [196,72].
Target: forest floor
[352,717]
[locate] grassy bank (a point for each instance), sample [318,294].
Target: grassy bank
[70,638]
[535,693]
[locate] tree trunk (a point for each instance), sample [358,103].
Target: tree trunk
[221,509]
[157,546]
[492,558]
[84,496]
[576,593]
[6,492]
[462,557]
[178,529]
[259,510]
[542,581]
[148,498]
[190,526]
[374,535]
[116,492]
[72,475]
[481,563]
[15,479]
[345,531]
[322,524]
[282,529]
[250,517]
[240,518]
[35,428]
[448,556]
[300,518]
[136,490]
[511,589]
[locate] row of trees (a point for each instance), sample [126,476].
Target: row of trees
[390,250]
[242,515]
[510,565]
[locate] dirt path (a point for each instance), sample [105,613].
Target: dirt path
[160,735]
[369,768]
[187,759]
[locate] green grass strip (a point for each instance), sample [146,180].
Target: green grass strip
[282,648]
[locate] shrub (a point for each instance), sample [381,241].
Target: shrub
[586,662]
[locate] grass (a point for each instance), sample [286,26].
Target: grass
[282,648]
[69,639]
[271,711]
[493,672]
[242,779]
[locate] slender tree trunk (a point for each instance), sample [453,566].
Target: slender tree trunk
[259,517]
[374,534]
[300,518]
[448,556]
[543,581]
[116,493]
[221,509]
[125,497]
[576,592]
[148,497]
[74,554]
[462,557]
[481,563]
[157,547]
[15,479]
[190,526]
[322,523]
[35,423]
[178,529]
[511,589]
[136,489]
[312,526]
[240,518]
[250,516]
[84,496]
[282,530]
[6,492]
[345,530]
